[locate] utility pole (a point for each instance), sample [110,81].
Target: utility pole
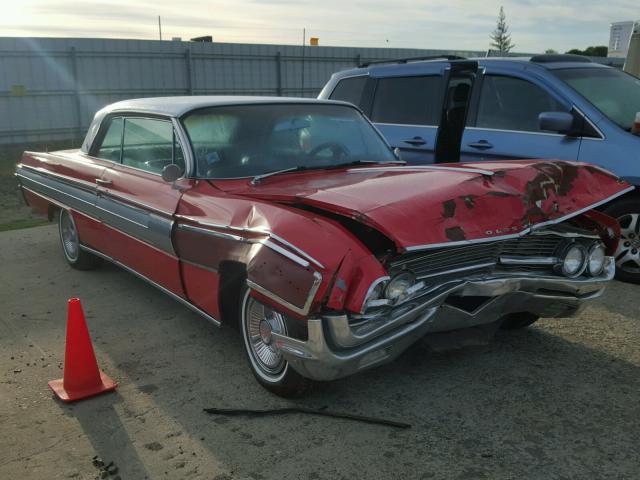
[304,41]
[160,27]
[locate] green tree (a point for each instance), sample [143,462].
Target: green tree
[550,51]
[597,51]
[501,38]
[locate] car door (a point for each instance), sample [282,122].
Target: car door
[407,108]
[504,122]
[137,205]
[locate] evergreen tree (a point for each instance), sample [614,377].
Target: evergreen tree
[501,38]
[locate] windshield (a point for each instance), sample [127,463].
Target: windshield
[250,140]
[613,92]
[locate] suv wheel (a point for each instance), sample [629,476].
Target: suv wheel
[627,212]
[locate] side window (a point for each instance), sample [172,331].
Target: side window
[112,141]
[508,103]
[349,90]
[408,100]
[150,144]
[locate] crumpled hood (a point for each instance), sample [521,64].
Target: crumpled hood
[427,205]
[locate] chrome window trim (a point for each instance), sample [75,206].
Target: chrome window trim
[185,302]
[301,311]
[532,228]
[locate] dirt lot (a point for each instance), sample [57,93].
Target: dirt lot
[556,401]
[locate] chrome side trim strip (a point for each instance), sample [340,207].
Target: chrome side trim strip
[74,182]
[532,228]
[186,303]
[300,261]
[301,311]
[212,233]
[267,243]
[270,234]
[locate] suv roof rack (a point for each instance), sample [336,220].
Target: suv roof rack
[412,59]
[560,57]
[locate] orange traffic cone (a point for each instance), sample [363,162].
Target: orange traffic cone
[82,378]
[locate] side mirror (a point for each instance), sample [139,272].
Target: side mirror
[171,173]
[558,122]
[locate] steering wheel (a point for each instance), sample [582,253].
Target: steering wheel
[337,149]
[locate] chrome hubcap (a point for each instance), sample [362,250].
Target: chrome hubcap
[69,236]
[260,322]
[628,252]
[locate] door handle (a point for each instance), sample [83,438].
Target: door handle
[481,145]
[415,141]
[102,182]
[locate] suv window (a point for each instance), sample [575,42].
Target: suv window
[508,103]
[349,90]
[150,144]
[112,141]
[408,100]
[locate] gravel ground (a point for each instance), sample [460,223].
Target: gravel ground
[556,401]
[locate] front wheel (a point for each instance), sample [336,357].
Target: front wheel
[627,212]
[271,369]
[75,256]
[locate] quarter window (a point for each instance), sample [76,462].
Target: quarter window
[408,100]
[508,103]
[112,141]
[150,144]
[349,90]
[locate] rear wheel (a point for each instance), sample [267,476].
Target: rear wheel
[514,321]
[257,323]
[75,256]
[627,212]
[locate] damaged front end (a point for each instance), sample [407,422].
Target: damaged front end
[455,288]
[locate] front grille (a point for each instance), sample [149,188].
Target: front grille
[477,257]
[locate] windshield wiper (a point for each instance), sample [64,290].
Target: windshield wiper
[300,168]
[257,178]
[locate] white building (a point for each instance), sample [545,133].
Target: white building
[619,37]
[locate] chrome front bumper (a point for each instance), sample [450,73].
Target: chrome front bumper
[337,348]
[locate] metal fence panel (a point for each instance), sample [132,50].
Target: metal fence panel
[51,87]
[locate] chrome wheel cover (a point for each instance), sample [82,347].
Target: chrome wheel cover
[628,251]
[259,322]
[69,236]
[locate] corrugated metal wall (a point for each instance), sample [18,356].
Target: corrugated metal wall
[50,87]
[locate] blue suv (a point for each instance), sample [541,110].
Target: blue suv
[548,106]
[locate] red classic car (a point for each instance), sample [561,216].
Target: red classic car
[295,219]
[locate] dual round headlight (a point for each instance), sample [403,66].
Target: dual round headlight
[577,259]
[398,286]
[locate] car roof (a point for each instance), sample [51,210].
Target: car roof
[517,63]
[180,105]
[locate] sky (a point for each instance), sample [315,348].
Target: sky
[535,25]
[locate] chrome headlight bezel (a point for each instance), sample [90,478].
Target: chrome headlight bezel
[580,268]
[402,282]
[594,272]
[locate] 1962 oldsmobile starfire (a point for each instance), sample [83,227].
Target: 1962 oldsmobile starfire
[295,219]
